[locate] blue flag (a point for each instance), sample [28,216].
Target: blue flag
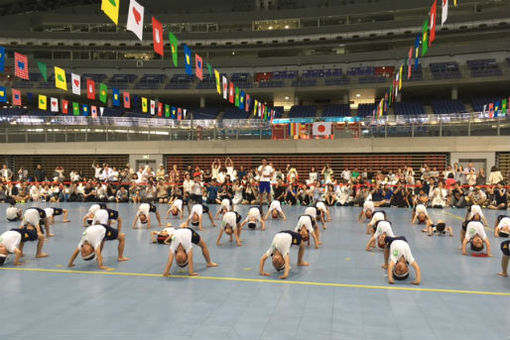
[417,50]
[30,97]
[3,95]
[116,97]
[85,109]
[187,59]
[136,100]
[2,59]
[497,108]
[174,112]
[242,98]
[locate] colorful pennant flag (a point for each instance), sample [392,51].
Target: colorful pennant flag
[179,114]
[231,93]
[111,9]
[85,110]
[115,97]
[76,109]
[160,109]
[76,80]
[504,106]
[247,105]
[93,111]
[21,66]
[199,67]
[53,104]
[43,69]
[242,100]
[255,107]
[2,59]
[444,13]
[455,3]
[187,59]
[236,100]
[157,36]
[167,111]
[127,100]
[225,87]
[103,92]
[425,38]
[417,51]
[210,70]
[3,94]
[144,105]
[218,81]
[135,19]
[174,44]
[91,89]
[43,102]
[409,63]
[30,97]
[174,112]
[65,106]
[153,107]
[60,79]
[491,110]
[101,110]
[16,97]
[400,78]
[433,17]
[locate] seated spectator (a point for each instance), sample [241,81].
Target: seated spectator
[439,196]
[122,195]
[398,199]
[495,176]
[476,196]
[279,190]
[35,193]
[500,201]
[330,197]
[343,194]
[313,176]
[457,197]
[161,191]
[291,194]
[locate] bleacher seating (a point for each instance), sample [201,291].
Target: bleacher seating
[339,110]
[372,79]
[97,77]
[416,74]
[110,112]
[303,111]
[365,110]
[479,103]
[122,81]
[180,81]
[206,113]
[278,111]
[337,81]
[277,75]
[448,70]
[304,83]
[448,106]
[271,83]
[322,73]
[207,83]
[151,81]
[235,113]
[409,108]
[360,71]
[484,68]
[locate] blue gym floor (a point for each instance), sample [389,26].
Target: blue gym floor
[343,294]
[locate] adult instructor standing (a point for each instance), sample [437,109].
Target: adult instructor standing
[265,172]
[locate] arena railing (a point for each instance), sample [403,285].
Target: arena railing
[30,129]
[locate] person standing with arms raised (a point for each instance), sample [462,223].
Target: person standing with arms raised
[265,172]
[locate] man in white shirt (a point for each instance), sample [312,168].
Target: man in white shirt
[196,213]
[92,242]
[275,210]
[475,234]
[253,218]
[181,247]
[143,216]
[400,257]
[382,230]
[279,252]
[265,173]
[502,226]
[231,226]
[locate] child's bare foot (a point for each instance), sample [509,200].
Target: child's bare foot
[41,255]
[121,259]
[212,264]
[503,274]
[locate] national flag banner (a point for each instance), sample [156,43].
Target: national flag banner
[167,111]
[218,81]
[187,59]
[2,59]
[381,108]
[444,12]
[76,109]
[3,94]
[43,102]
[179,113]
[153,107]
[433,17]
[231,93]
[425,38]
[266,114]
[199,67]
[455,3]
[504,106]
[390,99]
[417,50]
[174,112]
[174,44]
[65,106]
[115,97]
[184,112]
[60,79]
[127,100]
[16,97]
[157,36]
[255,107]
[160,109]
[85,110]
[259,110]
[273,113]
[237,93]
[400,77]
[145,107]
[101,110]
[247,105]
[43,69]
[242,100]
[103,92]
[76,80]
[210,70]
[93,111]
[491,110]
[111,9]
[321,129]
[497,106]
[53,104]
[225,87]
[30,97]
[484,109]
[91,89]
[135,19]
[409,63]
[20,65]
[396,83]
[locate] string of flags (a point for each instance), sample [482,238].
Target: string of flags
[194,64]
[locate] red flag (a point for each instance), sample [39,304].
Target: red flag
[91,89]
[199,67]
[65,106]
[433,17]
[16,97]
[409,63]
[157,35]
[20,66]
[127,100]
[179,113]
[231,93]
[160,109]
[491,110]
[93,111]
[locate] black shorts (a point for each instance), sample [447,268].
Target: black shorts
[505,247]
[205,209]
[13,219]
[112,214]
[152,208]
[102,206]
[27,234]
[500,217]
[464,225]
[110,234]
[42,213]
[57,211]
[195,238]
[238,217]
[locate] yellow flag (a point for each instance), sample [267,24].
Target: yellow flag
[60,79]
[218,81]
[144,105]
[455,3]
[400,78]
[111,9]
[43,102]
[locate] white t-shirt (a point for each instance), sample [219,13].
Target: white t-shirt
[321,206]
[420,208]
[505,222]
[49,212]
[383,227]
[230,219]
[475,209]
[254,213]
[225,203]
[181,236]
[304,221]
[311,211]
[169,230]
[101,217]
[275,205]
[281,242]
[473,228]
[94,235]
[32,217]
[398,249]
[93,208]
[266,173]
[378,216]
[144,208]
[11,240]
[177,204]
[11,213]
[368,205]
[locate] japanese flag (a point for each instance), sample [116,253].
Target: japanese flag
[76,80]
[321,129]
[54,104]
[153,107]
[135,19]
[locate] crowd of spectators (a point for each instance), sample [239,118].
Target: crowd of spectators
[454,187]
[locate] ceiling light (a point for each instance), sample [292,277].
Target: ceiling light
[358,95]
[286,97]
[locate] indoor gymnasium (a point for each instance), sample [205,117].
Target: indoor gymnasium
[254,169]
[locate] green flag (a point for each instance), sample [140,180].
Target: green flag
[43,69]
[174,43]
[425,38]
[504,106]
[210,70]
[103,93]
[167,111]
[76,109]
[237,97]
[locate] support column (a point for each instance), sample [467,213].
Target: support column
[455,93]
[202,102]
